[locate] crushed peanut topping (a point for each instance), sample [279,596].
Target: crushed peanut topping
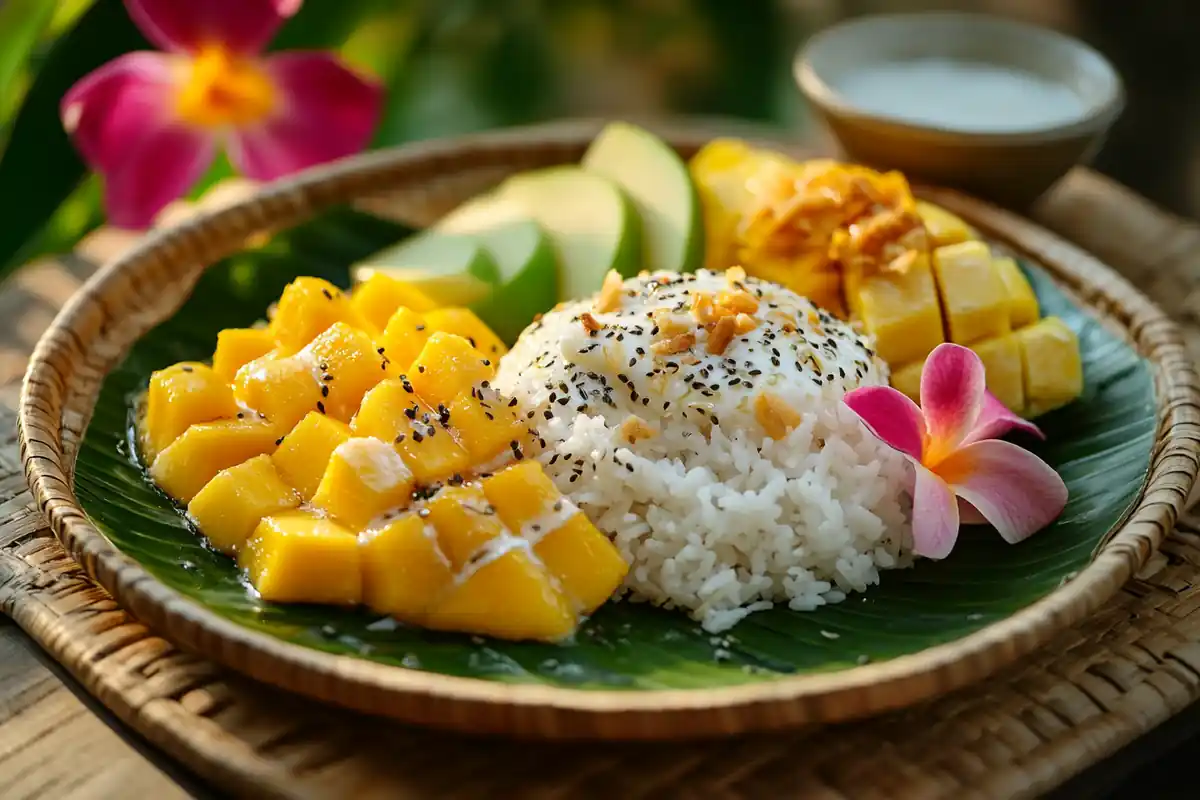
[634,429]
[737,302]
[775,416]
[590,323]
[702,308]
[668,323]
[744,323]
[735,274]
[721,335]
[611,293]
[676,344]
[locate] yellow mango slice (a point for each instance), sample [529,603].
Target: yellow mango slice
[404,572]
[237,347]
[307,307]
[1002,362]
[907,379]
[587,565]
[378,297]
[304,453]
[1052,365]
[943,226]
[1022,302]
[229,507]
[392,413]
[509,597]
[462,321]
[403,338]
[820,283]
[285,389]
[487,425]
[973,296]
[192,460]
[349,366]
[300,557]
[901,310]
[365,477]
[447,367]
[179,396]
[465,522]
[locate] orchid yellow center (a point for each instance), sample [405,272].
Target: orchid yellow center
[225,89]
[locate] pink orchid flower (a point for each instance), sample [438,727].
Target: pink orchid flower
[151,123]
[964,472]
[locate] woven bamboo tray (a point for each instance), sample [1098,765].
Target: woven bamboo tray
[140,289]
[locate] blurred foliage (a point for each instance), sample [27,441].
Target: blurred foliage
[451,66]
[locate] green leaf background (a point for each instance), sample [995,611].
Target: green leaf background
[1100,445]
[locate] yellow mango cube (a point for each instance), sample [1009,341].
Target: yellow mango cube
[229,507]
[462,321]
[300,557]
[487,424]
[510,597]
[307,307]
[403,338]
[192,460]
[1022,302]
[285,389]
[365,477]
[1052,365]
[304,453]
[378,297]
[901,310]
[465,523]
[907,379]
[349,365]
[392,413]
[944,227]
[447,367]
[1001,357]
[237,347]
[180,396]
[404,572]
[973,295]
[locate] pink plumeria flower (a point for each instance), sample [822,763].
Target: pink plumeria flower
[964,472]
[151,123]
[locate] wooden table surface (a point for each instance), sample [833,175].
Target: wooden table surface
[57,742]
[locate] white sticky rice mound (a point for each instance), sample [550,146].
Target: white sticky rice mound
[718,519]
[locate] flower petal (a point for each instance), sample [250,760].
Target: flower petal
[952,389]
[1013,489]
[120,118]
[934,515]
[326,111]
[995,420]
[243,26]
[891,416]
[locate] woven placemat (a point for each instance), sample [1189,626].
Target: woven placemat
[1026,730]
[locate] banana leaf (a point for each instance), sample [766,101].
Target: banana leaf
[1101,446]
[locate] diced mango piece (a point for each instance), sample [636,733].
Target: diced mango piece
[1052,364]
[462,321]
[487,424]
[1022,302]
[465,522]
[403,338]
[944,227]
[365,477]
[182,395]
[510,597]
[349,366]
[229,507]
[304,453]
[300,557]
[392,413]
[378,297]
[192,460]
[237,347]
[285,389]
[901,310]
[1001,357]
[447,367]
[973,296]
[404,572]
[587,565]
[810,276]
[907,379]
[307,307]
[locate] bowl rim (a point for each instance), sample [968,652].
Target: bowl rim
[85,342]
[1098,117]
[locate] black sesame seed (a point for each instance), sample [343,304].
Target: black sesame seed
[320,407]
[186,369]
[417,437]
[328,295]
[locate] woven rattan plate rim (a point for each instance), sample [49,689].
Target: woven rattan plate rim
[141,288]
